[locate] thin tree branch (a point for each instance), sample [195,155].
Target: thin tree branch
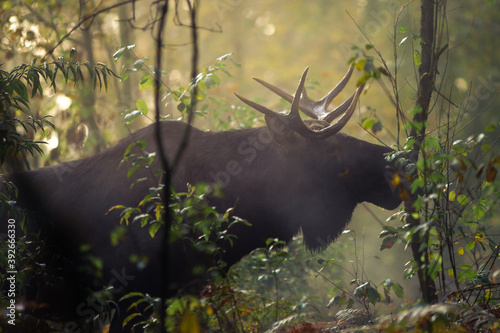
[85,18]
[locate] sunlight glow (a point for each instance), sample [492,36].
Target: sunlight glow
[461,84]
[53,141]
[63,102]
[269,29]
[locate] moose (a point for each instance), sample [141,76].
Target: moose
[289,176]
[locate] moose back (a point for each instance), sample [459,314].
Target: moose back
[289,176]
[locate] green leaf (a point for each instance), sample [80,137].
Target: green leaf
[138,64]
[416,110]
[337,300]
[478,211]
[414,36]
[129,318]
[470,246]
[153,229]
[121,51]
[490,128]
[403,30]
[224,57]
[373,295]
[142,106]
[368,123]
[208,82]
[398,290]
[417,58]
[147,82]
[363,79]
[432,141]
[388,283]
[131,295]
[462,199]
[359,291]
[417,184]
[133,169]
[131,116]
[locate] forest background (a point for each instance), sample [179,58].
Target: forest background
[272,40]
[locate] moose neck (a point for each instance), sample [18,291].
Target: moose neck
[269,185]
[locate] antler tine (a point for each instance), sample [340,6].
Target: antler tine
[339,110]
[286,96]
[339,124]
[293,120]
[259,107]
[314,109]
[294,111]
[276,90]
[323,103]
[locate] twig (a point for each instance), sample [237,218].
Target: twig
[82,21]
[164,264]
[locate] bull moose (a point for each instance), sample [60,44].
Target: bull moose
[289,176]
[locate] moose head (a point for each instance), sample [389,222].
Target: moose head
[330,171]
[289,176]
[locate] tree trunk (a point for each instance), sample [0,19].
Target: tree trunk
[427,73]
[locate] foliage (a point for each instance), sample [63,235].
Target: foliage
[36,265]
[206,80]
[445,318]
[17,88]
[360,291]
[450,184]
[200,227]
[21,84]
[458,197]
[456,175]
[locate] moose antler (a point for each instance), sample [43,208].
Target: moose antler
[314,109]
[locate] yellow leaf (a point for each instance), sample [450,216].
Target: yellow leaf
[158,213]
[396,180]
[210,310]
[189,324]
[488,296]
[461,251]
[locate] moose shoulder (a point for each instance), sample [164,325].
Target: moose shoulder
[289,176]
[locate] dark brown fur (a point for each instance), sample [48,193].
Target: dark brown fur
[280,183]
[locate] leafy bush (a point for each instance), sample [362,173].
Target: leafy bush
[35,265]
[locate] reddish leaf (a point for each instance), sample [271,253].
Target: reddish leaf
[491,173]
[403,194]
